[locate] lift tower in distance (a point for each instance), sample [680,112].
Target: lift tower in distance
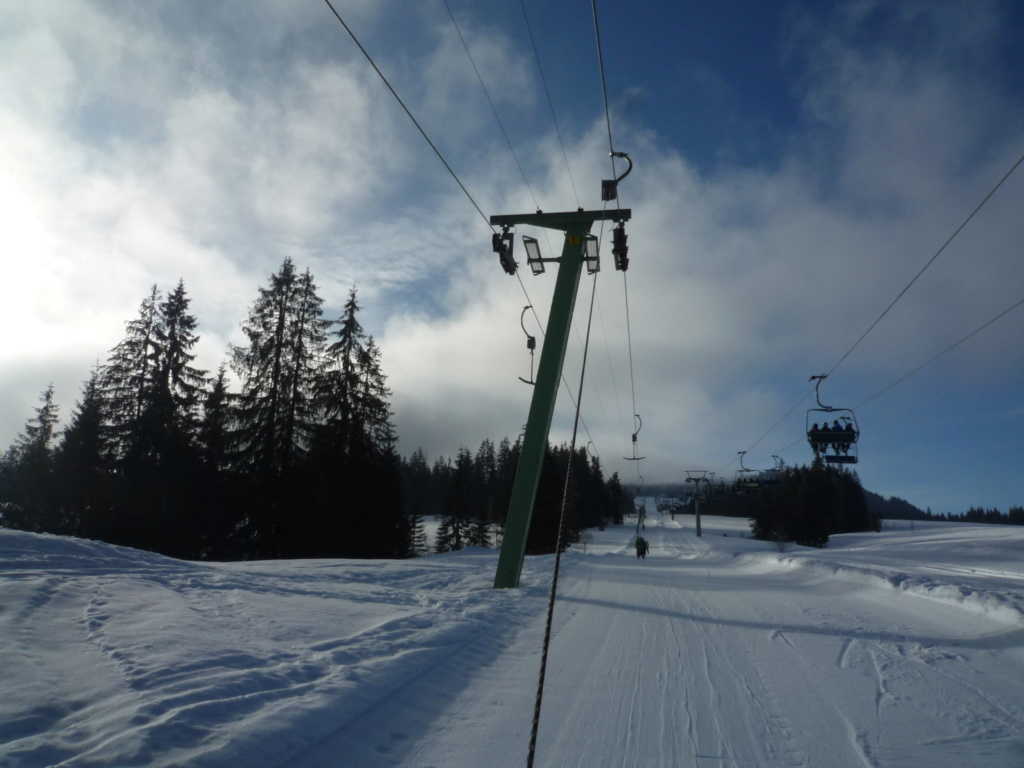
[576,225]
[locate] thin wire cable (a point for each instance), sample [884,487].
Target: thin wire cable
[551,105]
[604,86]
[770,430]
[558,548]
[930,261]
[900,296]
[409,113]
[928,362]
[611,154]
[490,101]
[950,348]
[604,90]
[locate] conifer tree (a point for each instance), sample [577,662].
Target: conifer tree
[150,394]
[81,463]
[127,383]
[279,372]
[180,386]
[360,509]
[416,484]
[457,521]
[485,468]
[30,466]
[616,499]
[420,544]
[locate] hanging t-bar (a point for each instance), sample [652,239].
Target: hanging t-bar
[640,422]
[531,344]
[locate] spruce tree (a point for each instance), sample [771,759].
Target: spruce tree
[360,509]
[180,387]
[416,484]
[31,476]
[81,461]
[458,521]
[276,416]
[221,499]
[127,383]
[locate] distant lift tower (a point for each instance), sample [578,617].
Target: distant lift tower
[576,252]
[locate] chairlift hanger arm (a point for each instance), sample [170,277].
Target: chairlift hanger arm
[817,383]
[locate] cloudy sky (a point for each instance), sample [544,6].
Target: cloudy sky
[796,166]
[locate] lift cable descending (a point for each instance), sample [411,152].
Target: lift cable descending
[551,104]
[930,261]
[490,101]
[901,294]
[933,358]
[408,112]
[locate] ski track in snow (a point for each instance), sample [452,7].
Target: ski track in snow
[890,650]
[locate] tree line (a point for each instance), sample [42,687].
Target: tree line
[469,495]
[809,504]
[301,461]
[803,505]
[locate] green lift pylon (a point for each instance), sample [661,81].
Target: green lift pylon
[576,226]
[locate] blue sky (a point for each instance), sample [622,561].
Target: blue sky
[797,165]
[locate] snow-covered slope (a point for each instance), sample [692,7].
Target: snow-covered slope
[904,648]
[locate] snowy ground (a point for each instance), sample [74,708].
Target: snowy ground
[901,649]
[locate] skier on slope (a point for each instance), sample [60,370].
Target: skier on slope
[641,547]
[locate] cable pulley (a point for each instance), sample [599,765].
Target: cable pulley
[502,245]
[531,344]
[620,250]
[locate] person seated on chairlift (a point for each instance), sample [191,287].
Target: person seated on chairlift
[837,427]
[823,437]
[814,434]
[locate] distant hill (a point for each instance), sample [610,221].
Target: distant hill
[893,508]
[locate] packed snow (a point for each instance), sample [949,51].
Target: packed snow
[902,648]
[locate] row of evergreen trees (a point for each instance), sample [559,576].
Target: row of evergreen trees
[161,455]
[809,504]
[300,462]
[470,495]
[1015,516]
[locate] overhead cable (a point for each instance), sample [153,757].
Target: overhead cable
[409,113]
[930,261]
[900,296]
[551,105]
[604,88]
[950,348]
[494,109]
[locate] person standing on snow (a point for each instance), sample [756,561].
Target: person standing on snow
[641,547]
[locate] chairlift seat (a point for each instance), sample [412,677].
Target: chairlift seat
[840,459]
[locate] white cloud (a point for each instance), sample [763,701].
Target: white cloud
[145,145]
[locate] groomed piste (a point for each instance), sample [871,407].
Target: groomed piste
[899,649]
